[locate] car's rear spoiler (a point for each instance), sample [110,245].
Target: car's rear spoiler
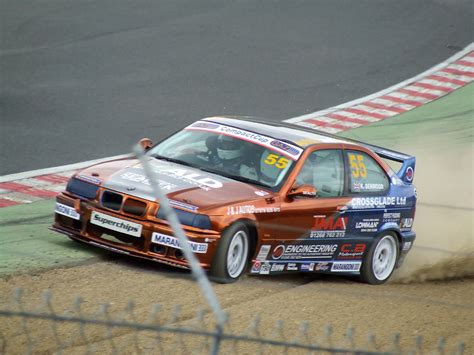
[407,171]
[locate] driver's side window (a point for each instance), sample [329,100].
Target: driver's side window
[324,169]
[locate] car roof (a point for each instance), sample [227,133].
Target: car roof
[298,135]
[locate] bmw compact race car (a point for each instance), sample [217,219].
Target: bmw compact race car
[254,196]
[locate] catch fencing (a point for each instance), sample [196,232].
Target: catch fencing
[76,329]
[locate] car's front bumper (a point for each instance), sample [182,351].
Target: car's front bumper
[79,227]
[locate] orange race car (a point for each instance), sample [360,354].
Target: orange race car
[252,195]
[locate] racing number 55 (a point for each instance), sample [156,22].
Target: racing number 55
[279,162]
[357,165]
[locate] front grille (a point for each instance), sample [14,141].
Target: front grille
[111,200]
[135,207]
[115,237]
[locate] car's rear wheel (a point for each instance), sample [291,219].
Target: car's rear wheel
[230,260]
[380,261]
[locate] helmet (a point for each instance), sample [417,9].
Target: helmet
[228,148]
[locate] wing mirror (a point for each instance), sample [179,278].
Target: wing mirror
[145,143]
[303,190]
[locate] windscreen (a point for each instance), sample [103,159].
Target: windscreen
[231,152]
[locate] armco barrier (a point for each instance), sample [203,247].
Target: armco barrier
[45,330]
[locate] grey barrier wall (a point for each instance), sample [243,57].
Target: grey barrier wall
[43,330]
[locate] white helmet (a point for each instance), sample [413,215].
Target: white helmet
[228,148]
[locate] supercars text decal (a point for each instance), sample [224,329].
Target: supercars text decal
[291,151]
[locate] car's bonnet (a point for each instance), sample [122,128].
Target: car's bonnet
[181,183]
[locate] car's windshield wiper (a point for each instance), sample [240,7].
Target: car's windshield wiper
[173,160]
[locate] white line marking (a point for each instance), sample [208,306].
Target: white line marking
[57,169]
[65,169]
[418,77]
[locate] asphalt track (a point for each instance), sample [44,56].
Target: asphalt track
[83,79]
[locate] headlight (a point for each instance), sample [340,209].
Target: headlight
[82,188]
[188,218]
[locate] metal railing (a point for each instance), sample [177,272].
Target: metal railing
[43,329]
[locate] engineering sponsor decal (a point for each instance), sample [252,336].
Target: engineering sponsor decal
[327,227]
[346,266]
[291,151]
[377,202]
[116,224]
[277,267]
[66,211]
[303,251]
[409,174]
[173,242]
[367,225]
[291,267]
[391,217]
[263,253]
[250,209]
[351,251]
[265,269]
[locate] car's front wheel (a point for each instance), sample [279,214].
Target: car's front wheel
[232,254]
[380,261]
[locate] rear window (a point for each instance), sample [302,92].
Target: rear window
[365,174]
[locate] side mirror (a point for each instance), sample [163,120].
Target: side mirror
[303,190]
[146,143]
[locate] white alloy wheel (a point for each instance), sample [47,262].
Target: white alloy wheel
[384,257]
[237,254]
[232,255]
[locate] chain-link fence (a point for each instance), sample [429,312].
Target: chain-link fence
[78,329]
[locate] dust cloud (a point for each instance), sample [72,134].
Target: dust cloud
[444,221]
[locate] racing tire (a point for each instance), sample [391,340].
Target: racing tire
[380,261]
[231,258]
